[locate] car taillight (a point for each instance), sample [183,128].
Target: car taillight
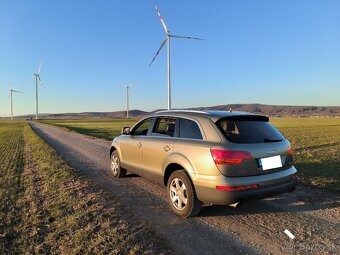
[237,188]
[290,151]
[229,157]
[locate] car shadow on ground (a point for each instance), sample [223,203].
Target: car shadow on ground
[131,175]
[285,202]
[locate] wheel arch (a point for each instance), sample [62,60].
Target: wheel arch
[112,149]
[177,162]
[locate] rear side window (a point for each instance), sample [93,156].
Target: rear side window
[249,131]
[189,129]
[165,126]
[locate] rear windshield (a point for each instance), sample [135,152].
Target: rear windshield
[249,131]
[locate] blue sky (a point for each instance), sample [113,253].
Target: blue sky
[271,52]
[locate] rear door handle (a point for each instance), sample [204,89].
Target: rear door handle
[139,144]
[166,148]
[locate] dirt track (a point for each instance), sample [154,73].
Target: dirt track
[313,216]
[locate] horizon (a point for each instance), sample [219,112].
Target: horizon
[274,53]
[164,109]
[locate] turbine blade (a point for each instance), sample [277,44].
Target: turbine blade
[186,37]
[16,91]
[39,67]
[158,51]
[162,21]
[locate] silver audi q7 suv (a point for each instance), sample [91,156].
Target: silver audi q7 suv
[215,157]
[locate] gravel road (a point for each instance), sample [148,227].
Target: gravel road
[257,227]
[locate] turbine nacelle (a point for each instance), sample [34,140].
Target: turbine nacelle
[12,90]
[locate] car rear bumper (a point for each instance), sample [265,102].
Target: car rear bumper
[269,185]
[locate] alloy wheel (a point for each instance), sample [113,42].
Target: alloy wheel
[178,194]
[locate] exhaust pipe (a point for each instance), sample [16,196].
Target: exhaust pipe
[236,205]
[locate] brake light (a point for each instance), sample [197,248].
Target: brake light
[290,151]
[237,188]
[229,157]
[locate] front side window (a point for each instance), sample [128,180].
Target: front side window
[165,126]
[189,129]
[143,127]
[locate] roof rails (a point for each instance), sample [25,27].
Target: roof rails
[184,111]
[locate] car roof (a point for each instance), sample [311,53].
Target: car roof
[213,115]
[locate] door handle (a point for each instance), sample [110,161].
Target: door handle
[167,148]
[139,144]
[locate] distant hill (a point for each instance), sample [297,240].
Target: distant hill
[279,110]
[269,110]
[84,115]
[117,114]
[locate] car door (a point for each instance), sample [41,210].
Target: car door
[157,146]
[131,146]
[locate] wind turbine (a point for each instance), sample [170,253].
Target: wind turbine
[11,90]
[37,83]
[128,86]
[167,39]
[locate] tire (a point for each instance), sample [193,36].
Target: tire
[116,169]
[177,193]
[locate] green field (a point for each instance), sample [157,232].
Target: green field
[106,129]
[48,207]
[316,143]
[11,168]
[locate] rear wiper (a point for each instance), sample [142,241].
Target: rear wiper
[267,140]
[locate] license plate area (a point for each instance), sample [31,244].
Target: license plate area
[271,162]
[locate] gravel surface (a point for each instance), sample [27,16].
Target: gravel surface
[257,227]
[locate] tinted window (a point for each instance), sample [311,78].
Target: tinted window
[189,129]
[143,127]
[249,131]
[165,126]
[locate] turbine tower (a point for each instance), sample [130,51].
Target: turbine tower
[167,39]
[128,86]
[11,90]
[37,83]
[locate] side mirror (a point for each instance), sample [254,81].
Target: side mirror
[125,131]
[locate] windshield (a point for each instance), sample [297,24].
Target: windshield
[249,131]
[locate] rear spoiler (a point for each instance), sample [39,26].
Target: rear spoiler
[245,118]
